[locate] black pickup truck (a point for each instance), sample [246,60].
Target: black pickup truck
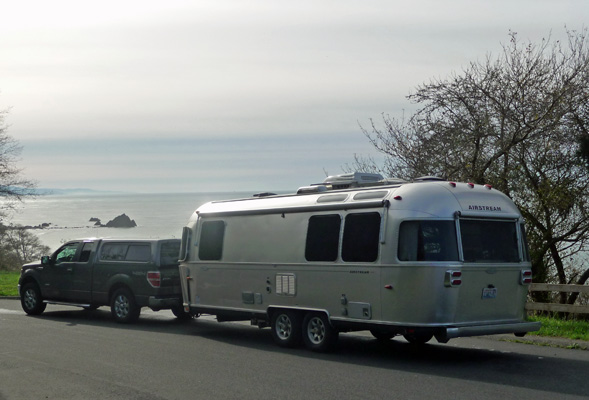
[121,273]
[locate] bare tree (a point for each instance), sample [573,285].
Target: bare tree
[13,186]
[518,122]
[19,246]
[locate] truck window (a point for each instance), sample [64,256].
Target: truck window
[169,253]
[113,252]
[361,237]
[489,241]
[86,251]
[139,252]
[427,241]
[211,240]
[66,253]
[323,237]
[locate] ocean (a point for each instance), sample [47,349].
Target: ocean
[159,215]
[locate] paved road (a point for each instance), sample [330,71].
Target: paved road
[69,353]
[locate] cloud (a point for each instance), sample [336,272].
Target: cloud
[250,87]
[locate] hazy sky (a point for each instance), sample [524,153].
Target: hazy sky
[156,96]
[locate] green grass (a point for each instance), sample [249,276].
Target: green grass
[8,282]
[556,327]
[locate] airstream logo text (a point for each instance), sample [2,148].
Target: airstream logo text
[483,208]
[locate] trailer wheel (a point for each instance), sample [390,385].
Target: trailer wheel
[418,337]
[286,328]
[123,307]
[182,315]
[318,334]
[382,335]
[31,300]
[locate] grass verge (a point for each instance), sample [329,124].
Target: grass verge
[8,282]
[556,327]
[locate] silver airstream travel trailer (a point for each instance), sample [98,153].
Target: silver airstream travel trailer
[358,252]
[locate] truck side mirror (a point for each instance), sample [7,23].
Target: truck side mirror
[45,260]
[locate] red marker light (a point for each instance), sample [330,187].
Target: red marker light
[526,277]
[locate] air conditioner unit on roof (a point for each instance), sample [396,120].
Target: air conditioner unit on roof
[353,179]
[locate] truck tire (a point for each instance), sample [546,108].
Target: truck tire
[318,334]
[31,300]
[123,307]
[286,328]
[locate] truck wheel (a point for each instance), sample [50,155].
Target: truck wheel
[418,337]
[123,306]
[286,328]
[30,299]
[181,314]
[318,334]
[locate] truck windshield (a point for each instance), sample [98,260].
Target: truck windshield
[489,241]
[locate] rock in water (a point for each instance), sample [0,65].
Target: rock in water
[122,221]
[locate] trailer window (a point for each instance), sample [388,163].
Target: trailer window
[428,241]
[489,241]
[525,243]
[211,240]
[323,238]
[361,237]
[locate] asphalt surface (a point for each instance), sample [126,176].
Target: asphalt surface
[69,353]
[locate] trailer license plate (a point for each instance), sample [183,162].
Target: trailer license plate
[489,293]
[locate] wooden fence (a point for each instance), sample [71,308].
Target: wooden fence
[555,307]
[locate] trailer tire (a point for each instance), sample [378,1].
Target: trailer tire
[286,328]
[318,334]
[182,315]
[418,338]
[382,335]
[31,300]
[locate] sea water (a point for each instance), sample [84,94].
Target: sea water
[156,215]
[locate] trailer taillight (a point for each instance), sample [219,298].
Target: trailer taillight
[453,278]
[526,277]
[154,278]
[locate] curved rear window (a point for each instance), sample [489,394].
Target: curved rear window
[489,241]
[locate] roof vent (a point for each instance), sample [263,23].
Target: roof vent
[312,189]
[354,179]
[264,194]
[428,179]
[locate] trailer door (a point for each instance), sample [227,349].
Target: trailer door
[494,261]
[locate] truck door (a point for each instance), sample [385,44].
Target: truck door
[81,289]
[59,274]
